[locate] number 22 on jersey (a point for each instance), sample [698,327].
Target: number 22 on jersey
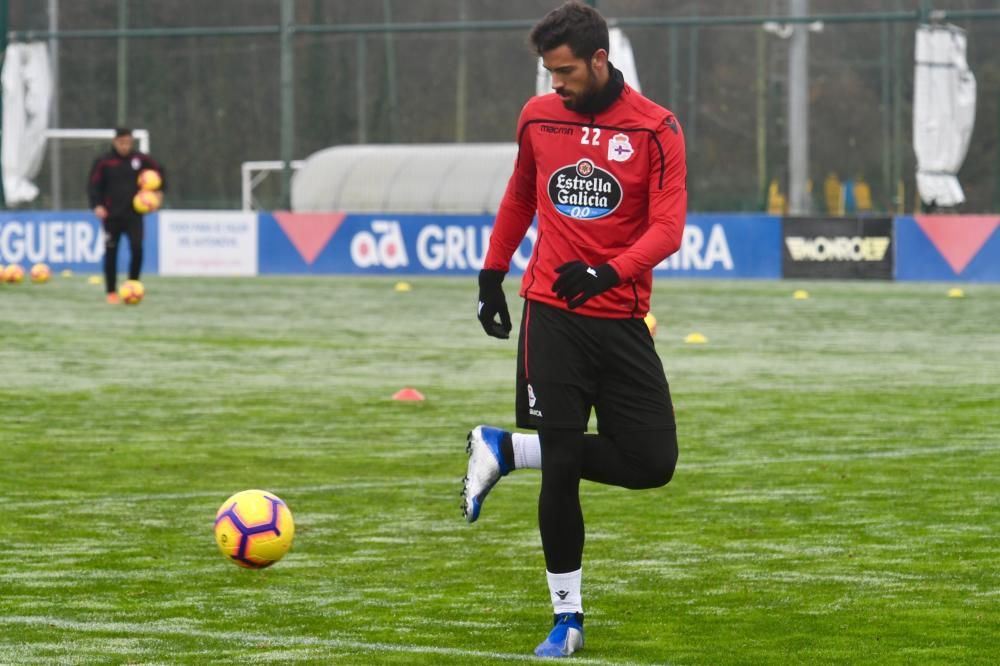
[591,136]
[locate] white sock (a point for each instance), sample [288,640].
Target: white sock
[527,451]
[564,589]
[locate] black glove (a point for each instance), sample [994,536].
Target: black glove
[492,302]
[578,282]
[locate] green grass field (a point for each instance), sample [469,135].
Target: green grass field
[837,499]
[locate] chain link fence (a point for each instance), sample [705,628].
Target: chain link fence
[210,93]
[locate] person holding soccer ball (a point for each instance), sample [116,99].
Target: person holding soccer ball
[604,169]
[112,186]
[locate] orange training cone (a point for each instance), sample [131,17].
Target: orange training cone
[408,394]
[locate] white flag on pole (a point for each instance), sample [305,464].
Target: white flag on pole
[27,94]
[944,112]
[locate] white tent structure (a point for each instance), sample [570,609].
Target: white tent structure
[458,178]
[944,112]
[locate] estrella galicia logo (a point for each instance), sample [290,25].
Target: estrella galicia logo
[584,191]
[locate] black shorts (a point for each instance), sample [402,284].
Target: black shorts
[130,225]
[569,363]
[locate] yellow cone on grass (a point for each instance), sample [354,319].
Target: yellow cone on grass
[650,323]
[800,294]
[95,279]
[956,292]
[695,339]
[403,286]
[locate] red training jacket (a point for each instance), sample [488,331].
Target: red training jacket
[608,188]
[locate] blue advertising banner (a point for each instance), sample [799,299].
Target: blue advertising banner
[737,246]
[66,240]
[378,244]
[952,248]
[727,246]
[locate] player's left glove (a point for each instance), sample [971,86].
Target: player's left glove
[577,282]
[493,304]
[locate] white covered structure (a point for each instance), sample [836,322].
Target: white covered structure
[944,112]
[457,178]
[27,95]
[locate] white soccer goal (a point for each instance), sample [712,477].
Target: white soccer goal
[141,135]
[253,174]
[69,154]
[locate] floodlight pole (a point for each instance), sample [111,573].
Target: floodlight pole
[885,37]
[392,94]
[55,150]
[461,76]
[287,102]
[762,118]
[925,11]
[122,64]
[4,9]
[798,111]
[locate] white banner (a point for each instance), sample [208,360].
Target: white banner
[208,243]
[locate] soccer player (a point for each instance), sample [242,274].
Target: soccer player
[604,168]
[112,184]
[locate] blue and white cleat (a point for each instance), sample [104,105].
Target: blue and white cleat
[565,638]
[486,466]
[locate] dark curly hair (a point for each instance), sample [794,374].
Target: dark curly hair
[581,27]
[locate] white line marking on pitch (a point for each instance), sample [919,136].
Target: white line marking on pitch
[16,502]
[835,457]
[281,490]
[159,629]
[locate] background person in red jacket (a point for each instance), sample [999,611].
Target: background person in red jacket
[604,169]
[112,184]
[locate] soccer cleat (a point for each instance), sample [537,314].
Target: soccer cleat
[486,466]
[565,638]
[113,298]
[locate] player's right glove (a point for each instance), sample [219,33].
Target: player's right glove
[492,303]
[577,282]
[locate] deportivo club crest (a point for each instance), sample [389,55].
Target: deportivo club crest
[619,148]
[584,190]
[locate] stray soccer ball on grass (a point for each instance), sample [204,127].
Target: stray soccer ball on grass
[254,529]
[40,273]
[13,274]
[131,292]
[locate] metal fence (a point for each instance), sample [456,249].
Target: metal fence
[290,77]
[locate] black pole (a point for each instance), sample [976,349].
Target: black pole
[925,11]
[287,113]
[4,10]
[996,184]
